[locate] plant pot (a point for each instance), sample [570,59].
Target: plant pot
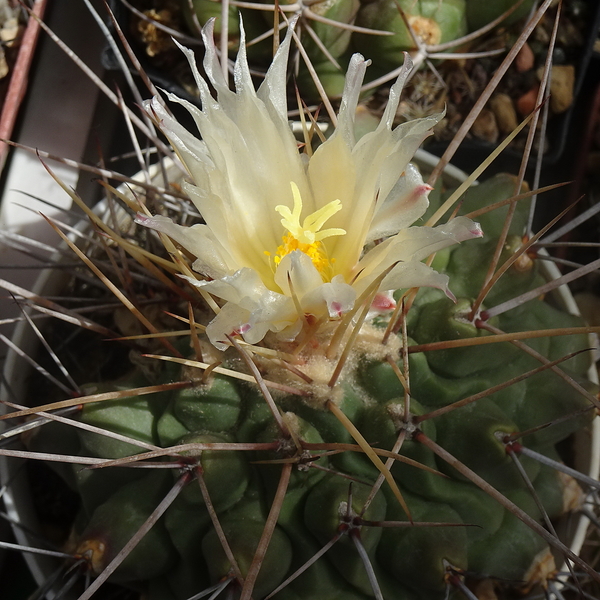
[18,499]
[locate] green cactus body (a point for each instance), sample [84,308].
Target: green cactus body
[481,13]
[470,530]
[335,39]
[205,10]
[331,78]
[132,417]
[243,527]
[433,21]
[212,406]
[225,473]
[326,503]
[418,556]
[114,523]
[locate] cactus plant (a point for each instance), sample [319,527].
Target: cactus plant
[432,23]
[480,14]
[336,418]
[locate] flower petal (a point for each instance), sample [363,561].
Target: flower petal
[213,259]
[211,63]
[244,287]
[395,92]
[315,297]
[297,269]
[335,297]
[259,309]
[272,90]
[406,202]
[411,246]
[354,79]
[230,321]
[415,274]
[332,176]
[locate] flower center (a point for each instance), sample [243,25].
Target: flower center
[315,251]
[307,237]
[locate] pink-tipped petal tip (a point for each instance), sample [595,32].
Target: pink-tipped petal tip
[383,302]
[141,219]
[476,230]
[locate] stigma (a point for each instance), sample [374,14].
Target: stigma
[307,237]
[310,230]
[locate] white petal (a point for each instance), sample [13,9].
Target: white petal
[210,206]
[332,176]
[415,274]
[404,275]
[190,149]
[241,70]
[415,244]
[297,268]
[211,62]
[289,334]
[262,309]
[205,95]
[407,138]
[273,90]
[461,229]
[244,288]
[395,92]
[376,163]
[256,332]
[354,79]
[335,297]
[230,321]
[213,259]
[383,155]
[406,202]
[251,315]
[274,314]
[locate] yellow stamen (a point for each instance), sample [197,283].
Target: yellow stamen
[307,237]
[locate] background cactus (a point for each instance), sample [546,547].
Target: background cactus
[283,486]
[432,23]
[331,30]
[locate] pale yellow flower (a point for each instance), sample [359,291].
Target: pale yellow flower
[285,231]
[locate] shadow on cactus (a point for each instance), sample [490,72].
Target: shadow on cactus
[330,396]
